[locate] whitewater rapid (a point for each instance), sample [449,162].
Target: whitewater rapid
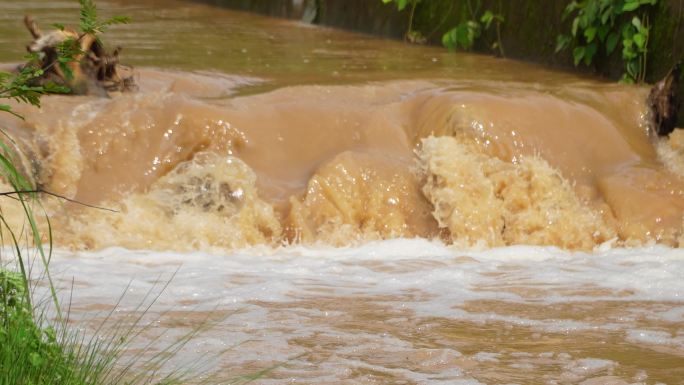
[404,311]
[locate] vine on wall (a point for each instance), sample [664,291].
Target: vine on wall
[598,28]
[411,35]
[466,33]
[605,25]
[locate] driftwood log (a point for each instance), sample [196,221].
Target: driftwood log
[94,70]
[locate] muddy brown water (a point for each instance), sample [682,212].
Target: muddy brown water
[250,133]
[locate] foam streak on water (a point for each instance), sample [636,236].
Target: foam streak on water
[409,311]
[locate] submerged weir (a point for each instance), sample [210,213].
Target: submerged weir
[487,163]
[359,210]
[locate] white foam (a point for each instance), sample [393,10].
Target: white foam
[673,315]
[655,337]
[405,265]
[487,357]
[583,368]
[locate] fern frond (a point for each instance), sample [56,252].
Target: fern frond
[89,22]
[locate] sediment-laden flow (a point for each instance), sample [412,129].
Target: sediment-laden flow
[472,163]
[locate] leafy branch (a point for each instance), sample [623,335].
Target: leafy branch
[90,27]
[411,35]
[604,25]
[19,87]
[466,33]
[89,22]
[22,87]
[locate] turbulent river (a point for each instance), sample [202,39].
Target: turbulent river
[346,209]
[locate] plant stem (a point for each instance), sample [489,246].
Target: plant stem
[644,55]
[444,19]
[414,3]
[498,38]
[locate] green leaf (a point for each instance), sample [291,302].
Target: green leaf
[35,359]
[627,31]
[603,32]
[640,41]
[633,68]
[590,34]
[590,13]
[68,72]
[611,42]
[117,20]
[7,108]
[572,7]
[487,18]
[631,5]
[575,26]
[628,7]
[10,172]
[589,53]
[578,54]
[463,36]
[53,88]
[607,15]
[449,39]
[562,42]
[626,79]
[88,17]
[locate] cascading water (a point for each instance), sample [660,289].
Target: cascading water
[495,222]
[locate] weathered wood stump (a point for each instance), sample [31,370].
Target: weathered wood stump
[93,69]
[663,101]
